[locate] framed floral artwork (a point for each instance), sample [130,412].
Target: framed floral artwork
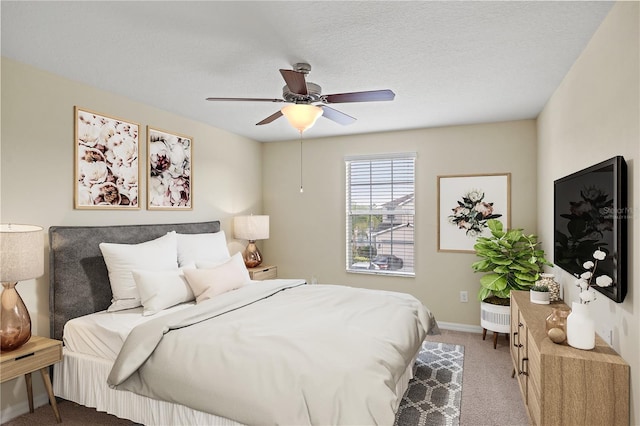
[169,171]
[466,203]
[106,168]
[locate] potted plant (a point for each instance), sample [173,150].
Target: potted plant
[539,294]
[512,260]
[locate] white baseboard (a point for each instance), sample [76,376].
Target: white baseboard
[13,411]
[459,327]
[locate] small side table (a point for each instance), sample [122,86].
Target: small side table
[39,353]
[260,273]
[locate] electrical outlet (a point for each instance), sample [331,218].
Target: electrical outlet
[607,334]
[464,296]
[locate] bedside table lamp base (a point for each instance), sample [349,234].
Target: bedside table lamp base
[14,319]
[21,258]
[251,255]
[251,228]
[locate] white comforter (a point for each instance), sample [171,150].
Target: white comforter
[280,353]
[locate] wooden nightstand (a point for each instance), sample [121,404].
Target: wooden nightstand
[268,272]
[39,353]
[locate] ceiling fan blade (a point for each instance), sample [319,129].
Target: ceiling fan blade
[295,81]
[337,116]
[270,118]
[247,99]
[370,96]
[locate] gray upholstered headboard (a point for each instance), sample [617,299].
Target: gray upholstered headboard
[79,281]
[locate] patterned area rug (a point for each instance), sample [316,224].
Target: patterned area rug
[433,396]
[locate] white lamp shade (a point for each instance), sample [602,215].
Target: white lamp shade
[251,228]
[21,252]
[302,116]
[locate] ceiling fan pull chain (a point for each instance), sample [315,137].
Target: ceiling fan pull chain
[301,188]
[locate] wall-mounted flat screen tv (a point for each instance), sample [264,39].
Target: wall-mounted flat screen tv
[590,213]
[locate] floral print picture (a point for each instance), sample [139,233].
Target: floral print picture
[472,213]
[465,204]
[106,169]
[169,184]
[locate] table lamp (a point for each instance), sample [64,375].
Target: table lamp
[21,258]
[251,228]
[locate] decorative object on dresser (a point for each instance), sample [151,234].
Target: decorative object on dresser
[580,326]
[557,323]
[251,228]
[21,258]
[548,280]
[561,385]
[38,354]
[513,261]
[263,272]
[169,171]
[539,294]
[107,173]
[581,329]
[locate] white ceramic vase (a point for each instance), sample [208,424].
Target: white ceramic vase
[581,331]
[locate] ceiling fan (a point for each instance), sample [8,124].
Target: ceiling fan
[301,92]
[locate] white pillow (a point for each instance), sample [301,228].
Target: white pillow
[121,259]
[208,283]
[194,248]
[161,289]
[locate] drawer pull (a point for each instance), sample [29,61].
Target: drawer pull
[18,358]
[522,371]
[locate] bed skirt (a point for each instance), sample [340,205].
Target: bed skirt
[83,379]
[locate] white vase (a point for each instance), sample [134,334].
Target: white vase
[581,331]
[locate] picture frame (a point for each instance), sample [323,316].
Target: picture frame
[106,169]
[169,170]
[465,203]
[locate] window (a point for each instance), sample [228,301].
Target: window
[380,211]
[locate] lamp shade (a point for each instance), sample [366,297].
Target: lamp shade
[21,252]
[251,228]
[302,116]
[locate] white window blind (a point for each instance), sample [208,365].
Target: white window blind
[380,214]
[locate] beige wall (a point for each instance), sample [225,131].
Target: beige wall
[595,115]
[307,236]
[37,174]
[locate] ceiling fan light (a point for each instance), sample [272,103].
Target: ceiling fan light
[301,116]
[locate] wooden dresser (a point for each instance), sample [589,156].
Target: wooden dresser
[561,384]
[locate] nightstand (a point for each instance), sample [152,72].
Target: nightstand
[260,273]
[39,353]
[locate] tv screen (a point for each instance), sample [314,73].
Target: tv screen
[590,213]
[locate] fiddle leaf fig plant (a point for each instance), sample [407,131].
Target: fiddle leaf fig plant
[512,260]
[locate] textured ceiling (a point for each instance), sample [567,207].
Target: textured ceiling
[449,62]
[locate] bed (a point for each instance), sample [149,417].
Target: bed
[271,352]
